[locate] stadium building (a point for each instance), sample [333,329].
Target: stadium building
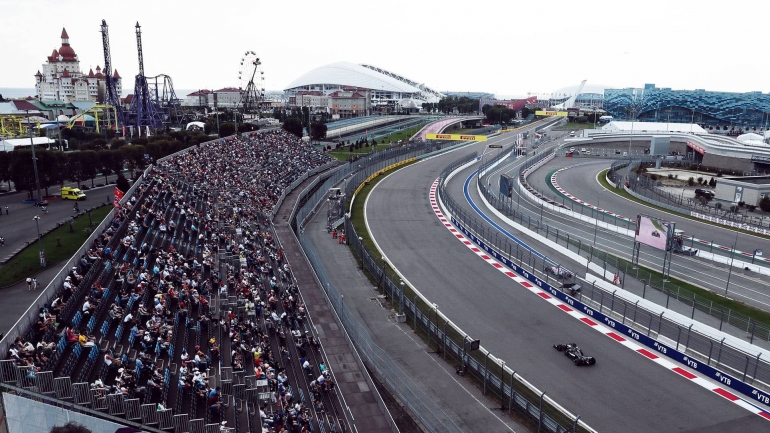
[707,108]
[381,90]
[585,95]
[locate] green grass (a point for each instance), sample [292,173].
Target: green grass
[357,219]
[27,263]
[343,153]
[622,192]
[572,126]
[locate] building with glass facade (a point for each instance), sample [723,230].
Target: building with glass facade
[707,108]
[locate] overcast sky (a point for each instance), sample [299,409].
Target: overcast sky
[503,47]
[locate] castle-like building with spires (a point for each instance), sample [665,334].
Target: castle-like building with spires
[62,79]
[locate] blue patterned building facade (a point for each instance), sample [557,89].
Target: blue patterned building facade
[652,104]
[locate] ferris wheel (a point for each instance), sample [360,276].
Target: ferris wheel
[251,78]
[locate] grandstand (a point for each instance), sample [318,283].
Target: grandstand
[181,313]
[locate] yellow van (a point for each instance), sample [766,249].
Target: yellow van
[69,193]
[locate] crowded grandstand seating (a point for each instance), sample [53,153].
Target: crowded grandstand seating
[183,314]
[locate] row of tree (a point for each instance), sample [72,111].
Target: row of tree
[463,105]
[501,113]
[56,167]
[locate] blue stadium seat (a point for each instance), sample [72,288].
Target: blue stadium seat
[76,320]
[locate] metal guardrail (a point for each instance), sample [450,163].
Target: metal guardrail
[497,379]
[744,366]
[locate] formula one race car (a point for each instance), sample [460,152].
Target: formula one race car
[573,352]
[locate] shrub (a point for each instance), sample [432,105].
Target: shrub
[700,180]
[751,207]
[670,176]
[654,176]
[764,204]
[691,181]
[718,205]
[712,183]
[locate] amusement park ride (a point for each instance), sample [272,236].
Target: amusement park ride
[154,107]
[254,93]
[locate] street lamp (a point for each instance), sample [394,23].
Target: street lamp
[732,258]
[435,311]
[39,241]
[34,159]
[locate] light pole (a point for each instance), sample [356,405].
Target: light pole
[435,311]
[732,258]
[34,159]
[39,241]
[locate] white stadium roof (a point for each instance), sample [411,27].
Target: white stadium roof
[364,76]
[588,88]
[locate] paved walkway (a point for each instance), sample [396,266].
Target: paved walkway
[461,400]
[357,393]
[16,299]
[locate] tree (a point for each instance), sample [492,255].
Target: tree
[226,128]
[5,167]
[525,112]
[713,183]
[292,125]
[122,183]
[89,164]
[22,173]
[104,158]
[50,168]
[318,131]
[764,204]
[691,181]
[74,167]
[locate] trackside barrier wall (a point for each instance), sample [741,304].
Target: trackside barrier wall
[499,380]
[671,290]
[733,381]
[745,367]
[431,416]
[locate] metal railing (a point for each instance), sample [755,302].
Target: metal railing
[747,367]
[496,379]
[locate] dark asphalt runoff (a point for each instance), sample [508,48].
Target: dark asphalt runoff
[623,392]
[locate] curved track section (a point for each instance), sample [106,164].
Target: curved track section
[580,181]
[623,390]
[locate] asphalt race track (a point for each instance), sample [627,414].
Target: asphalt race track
[623,392]
[581,182]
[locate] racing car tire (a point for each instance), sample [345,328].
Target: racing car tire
[592,361]
[558,347]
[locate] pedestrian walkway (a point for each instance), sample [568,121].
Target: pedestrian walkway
[463,402]
[364,401]
[16,299]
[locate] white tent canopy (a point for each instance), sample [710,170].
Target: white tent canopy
[644,127]
[12,143]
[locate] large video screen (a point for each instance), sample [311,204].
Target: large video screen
[652,232]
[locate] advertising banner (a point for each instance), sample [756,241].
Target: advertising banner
[551,113]
[652,232]
[751,393]
[744,226]
[456,137]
